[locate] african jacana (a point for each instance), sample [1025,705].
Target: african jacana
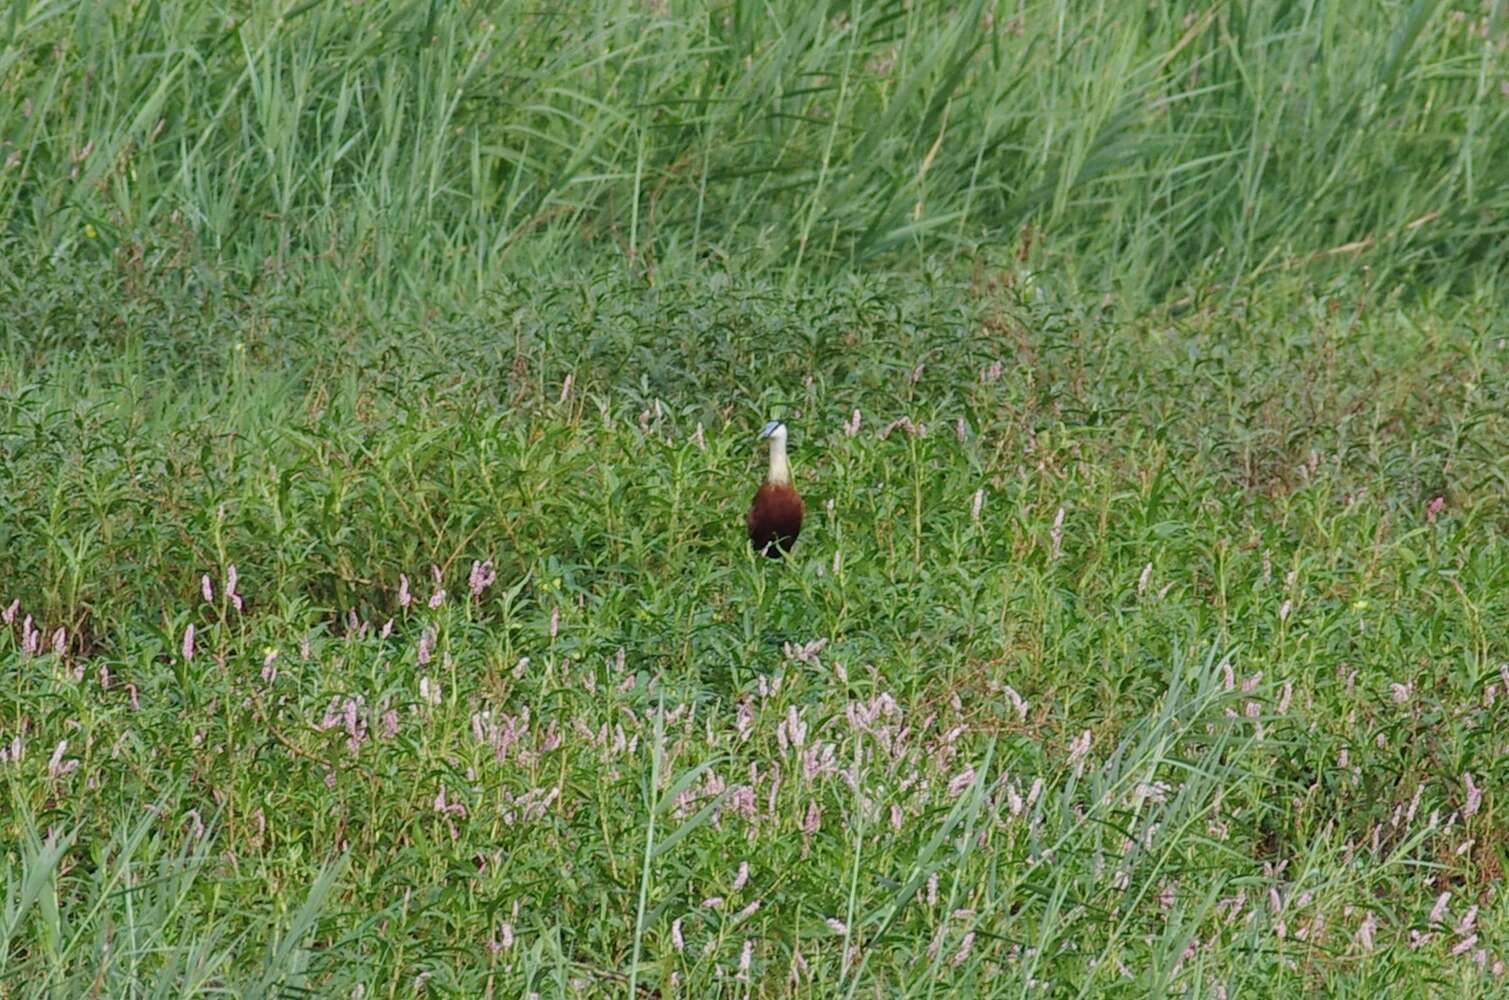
[775,517]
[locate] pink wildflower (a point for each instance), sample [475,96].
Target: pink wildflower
[482,576]
[1469,920]
[746,958]
[188,644]
[813,821]
[1474,797]
[56,765]
[429,691]
[964,946]
[1365,932]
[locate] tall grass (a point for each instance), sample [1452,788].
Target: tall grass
[401,150]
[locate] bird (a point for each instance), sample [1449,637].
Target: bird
[775,516]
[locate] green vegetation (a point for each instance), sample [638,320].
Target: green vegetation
[388,150]
[378,385]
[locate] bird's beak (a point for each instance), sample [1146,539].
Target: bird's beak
[768,430]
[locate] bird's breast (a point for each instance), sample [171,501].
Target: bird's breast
[775,515]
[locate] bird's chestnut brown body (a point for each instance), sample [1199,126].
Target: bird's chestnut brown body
[775,519]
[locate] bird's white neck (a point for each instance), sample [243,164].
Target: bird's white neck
[780,469]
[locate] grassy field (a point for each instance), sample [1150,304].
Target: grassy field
[378,391]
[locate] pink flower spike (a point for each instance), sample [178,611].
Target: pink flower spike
[482,577]
[207,589]
[1469,920]
[1434,508]
[9,614]
[1438,912]
[55,763]
[813,821]
[1474,797]
[231,578]
[60,642]
[677,940]
[964,946]
[188,644]
[1365,932]
[404,597]
[746,958]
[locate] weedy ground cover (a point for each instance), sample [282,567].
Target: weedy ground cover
[377,391]
[1115,657]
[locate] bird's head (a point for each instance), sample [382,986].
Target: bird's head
[780,469]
